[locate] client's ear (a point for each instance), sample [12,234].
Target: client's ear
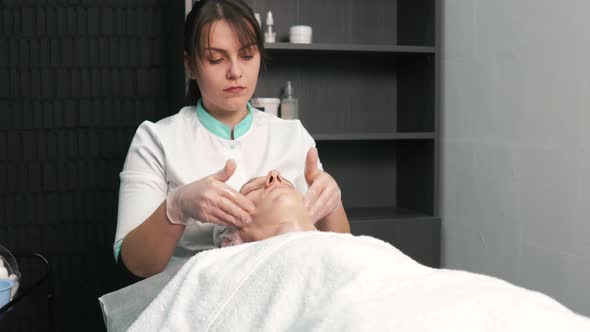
[244,236]
[232,238]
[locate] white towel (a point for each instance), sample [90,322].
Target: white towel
[317,281]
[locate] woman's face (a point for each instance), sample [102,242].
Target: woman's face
[274,198]
[228,72]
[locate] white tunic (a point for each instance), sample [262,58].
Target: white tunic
[179,149]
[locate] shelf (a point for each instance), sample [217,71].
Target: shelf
[356,48]
[374,136]
[384,213]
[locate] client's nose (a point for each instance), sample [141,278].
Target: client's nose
[273,177]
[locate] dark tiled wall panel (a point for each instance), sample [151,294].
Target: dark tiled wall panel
[76,79]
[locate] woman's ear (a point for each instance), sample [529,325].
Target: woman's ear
[188,66]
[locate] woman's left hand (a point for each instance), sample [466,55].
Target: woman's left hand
[323,194]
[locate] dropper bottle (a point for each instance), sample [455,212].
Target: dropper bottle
[289,104]
[269,35]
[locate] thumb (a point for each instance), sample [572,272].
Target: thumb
[311,165]
[227,171]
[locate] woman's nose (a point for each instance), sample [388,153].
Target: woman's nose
[235,70]
[273,177]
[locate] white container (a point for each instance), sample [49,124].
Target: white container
[9,271]
[300,34]
[268,105]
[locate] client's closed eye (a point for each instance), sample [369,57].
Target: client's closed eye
[254,184]
[251,190]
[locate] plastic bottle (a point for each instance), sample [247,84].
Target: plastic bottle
[269,34]
[289,104]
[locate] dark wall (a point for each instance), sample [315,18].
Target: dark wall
[76,79]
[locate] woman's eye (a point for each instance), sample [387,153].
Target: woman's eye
[215,61]
[247,57]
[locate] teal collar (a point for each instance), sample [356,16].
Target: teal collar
[221,129]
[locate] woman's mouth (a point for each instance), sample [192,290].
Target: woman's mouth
[234,89]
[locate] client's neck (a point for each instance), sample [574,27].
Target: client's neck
[299,222]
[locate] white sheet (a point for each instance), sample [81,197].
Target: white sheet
[317,281]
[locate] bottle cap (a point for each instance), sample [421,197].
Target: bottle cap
[258,19]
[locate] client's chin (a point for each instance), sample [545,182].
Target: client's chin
[284,214]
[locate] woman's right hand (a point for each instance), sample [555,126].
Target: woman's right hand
[211,200]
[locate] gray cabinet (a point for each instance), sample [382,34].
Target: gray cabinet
[367,90]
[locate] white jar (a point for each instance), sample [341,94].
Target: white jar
[300,34]
[268,105]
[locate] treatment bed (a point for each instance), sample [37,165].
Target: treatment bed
[319,281]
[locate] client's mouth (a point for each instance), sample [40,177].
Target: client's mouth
[279,186]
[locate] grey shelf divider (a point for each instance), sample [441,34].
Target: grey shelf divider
[373,136]
[383,213]
[356,48]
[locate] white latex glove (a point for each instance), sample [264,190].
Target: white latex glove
[210,200]
[323,195]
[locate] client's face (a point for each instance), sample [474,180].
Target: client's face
[278,206]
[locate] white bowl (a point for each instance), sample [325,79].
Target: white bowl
[268,105]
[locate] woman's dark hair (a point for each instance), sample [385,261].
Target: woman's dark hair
[205,12]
